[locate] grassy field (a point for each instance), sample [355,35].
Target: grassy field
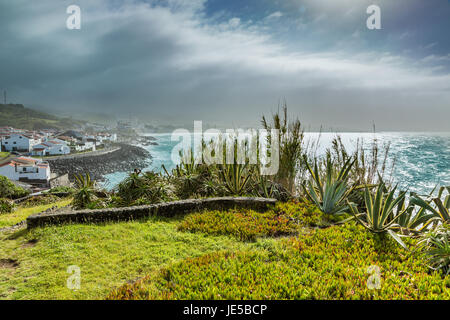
[18,116]
[10,219]
[3,155]
[108,255]
[190,258]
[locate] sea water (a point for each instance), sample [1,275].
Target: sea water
[422,160]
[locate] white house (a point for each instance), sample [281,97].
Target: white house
[51,148]
[26,169]
[107,137]
[84,146]
[19,142]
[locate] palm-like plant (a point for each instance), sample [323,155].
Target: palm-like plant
[330,193]
[380,215]
[441,210]
[85,191]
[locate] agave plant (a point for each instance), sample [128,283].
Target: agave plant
[415,220]
[436,246]
[329,194]
[381,216]
[235,178]
[85,191]
[441,210]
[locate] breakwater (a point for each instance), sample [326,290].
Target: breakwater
[124,158]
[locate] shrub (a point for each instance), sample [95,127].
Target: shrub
[39,200]
[436,245]
[6,206]
[332,263]
[146,188]
[291,147]
[9,190]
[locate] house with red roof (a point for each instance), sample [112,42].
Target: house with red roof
[51,147]
[26,169]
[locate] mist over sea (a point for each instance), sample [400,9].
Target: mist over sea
[422,159]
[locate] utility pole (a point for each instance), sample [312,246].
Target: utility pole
[4,96]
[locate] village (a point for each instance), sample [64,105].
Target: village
[25,153]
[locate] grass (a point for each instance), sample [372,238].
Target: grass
[108,255]
[10,219]
[3,155]
[330,263]
[156,259]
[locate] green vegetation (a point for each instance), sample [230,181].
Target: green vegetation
[247,225]
[17,116]
[332,263]
[108,255]
[327,237]
[380,215]
[436,245]
[61,189]
[22,212]
[207,256]
[244,225]
[9,190]
[85,195]
[6,206]
[3,155]
[329,193]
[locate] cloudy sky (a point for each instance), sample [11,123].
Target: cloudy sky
[228,61]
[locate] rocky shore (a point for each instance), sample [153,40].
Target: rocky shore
[127,158]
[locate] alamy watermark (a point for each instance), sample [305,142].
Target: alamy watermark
[74,281]
[241,146]
[374,280]
[73,22]
[374,20]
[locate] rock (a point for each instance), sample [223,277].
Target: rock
[127,158]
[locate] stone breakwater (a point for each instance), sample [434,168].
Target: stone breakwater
[167,209]
[124,159]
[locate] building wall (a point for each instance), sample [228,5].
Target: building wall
[18,143]
[32,173]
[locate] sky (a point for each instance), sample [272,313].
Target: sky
[227,62]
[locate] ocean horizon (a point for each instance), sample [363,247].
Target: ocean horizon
[422,159]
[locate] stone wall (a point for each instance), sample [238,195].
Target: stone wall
[168,209]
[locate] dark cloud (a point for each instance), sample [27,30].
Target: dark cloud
[182,60]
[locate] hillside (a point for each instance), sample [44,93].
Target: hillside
[18,116]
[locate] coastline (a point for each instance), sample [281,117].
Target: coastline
[127,158]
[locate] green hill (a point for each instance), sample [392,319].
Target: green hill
[18,116]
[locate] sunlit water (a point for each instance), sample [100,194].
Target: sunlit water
[422,159]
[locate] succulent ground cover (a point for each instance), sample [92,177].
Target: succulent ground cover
[333,263]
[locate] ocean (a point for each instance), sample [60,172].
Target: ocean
[422,160]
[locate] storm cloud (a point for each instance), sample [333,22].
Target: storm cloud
[227,62]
